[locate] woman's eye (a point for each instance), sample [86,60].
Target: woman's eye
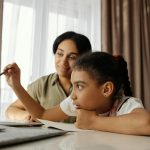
[59,54]
[72,57]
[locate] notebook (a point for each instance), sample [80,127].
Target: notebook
[61,125]
[15,135]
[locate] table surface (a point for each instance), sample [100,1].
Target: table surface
[87,140]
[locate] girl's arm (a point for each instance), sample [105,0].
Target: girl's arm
[12,73]
[137,122]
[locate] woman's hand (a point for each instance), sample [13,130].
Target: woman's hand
[30,119]
[85,119]
[12,73]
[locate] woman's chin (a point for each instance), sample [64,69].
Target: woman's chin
[64,74]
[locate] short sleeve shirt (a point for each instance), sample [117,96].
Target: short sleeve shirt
[127,105]
[47,91]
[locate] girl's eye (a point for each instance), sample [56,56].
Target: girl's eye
[80,87]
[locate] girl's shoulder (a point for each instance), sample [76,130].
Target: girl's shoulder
[128,104]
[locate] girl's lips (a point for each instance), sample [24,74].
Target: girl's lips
[77,106]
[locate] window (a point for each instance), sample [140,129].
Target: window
[30,28]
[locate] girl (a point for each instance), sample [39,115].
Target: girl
[99,97]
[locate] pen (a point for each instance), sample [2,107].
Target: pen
[2,73]
[5,71]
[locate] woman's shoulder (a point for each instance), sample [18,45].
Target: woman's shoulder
[45,78]
[42,81]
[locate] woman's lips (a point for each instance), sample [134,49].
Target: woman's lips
[63,67]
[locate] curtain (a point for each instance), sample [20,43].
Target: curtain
[30,28]
[126,31]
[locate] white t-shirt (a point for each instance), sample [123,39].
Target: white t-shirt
[127,106]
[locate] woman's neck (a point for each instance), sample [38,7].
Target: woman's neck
[66,84]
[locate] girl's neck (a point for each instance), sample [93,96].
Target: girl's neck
[107,107]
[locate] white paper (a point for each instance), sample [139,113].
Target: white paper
[61,125]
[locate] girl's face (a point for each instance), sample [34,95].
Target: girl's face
[87,94]
[65,58]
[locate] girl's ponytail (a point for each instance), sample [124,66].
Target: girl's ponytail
[123,72]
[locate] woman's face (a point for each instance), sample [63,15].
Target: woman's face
[65,58]
[87,94]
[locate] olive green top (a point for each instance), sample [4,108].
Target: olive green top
[47,91]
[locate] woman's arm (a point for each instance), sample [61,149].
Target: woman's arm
[12,73]
[16,111]
[136,123]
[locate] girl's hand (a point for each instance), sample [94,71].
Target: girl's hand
[85,119]
[12,73]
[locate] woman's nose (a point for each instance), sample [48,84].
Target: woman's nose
[65,61]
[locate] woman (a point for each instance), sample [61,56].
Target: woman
[52,89]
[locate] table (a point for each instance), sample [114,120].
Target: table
[87,140]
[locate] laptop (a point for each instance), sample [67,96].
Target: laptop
[2,128]
[19,123]
[15,135]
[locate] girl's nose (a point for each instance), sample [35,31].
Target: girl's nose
[73,96]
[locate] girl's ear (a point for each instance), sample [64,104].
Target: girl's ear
[108,89]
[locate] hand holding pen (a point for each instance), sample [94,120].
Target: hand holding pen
[12,74]
[8,67]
